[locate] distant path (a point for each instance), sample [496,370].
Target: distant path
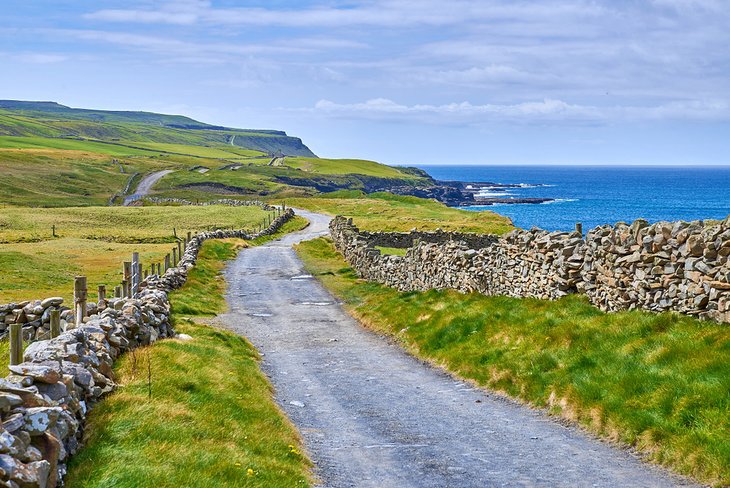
[373,416]
[233,138]
[145,186]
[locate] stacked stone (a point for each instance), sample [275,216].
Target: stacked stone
[34,315]
[223,201]
[45,399]
[680,266]
[44,402]
[676,266]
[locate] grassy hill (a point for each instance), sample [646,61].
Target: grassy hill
[50,119]
[52,155]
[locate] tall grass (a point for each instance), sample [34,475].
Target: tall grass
[209,420]
[394,213]
[659,383]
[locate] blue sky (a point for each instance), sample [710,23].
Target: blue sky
[399,81]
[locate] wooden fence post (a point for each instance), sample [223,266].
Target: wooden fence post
[118,291]
[190,238]
[127,277]
[179,249]
[55,323]
[135,274]
[16,339]
[174,257]
[125,289]
[53,228]
[579,228]
[167,262]
[102,294]
[80,294]
[159,269]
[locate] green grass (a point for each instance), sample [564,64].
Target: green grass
[56,178]
[345,166]
[221,151]
[94,241]
[394,251]
[10,142]
[393,213]
[203,292]
[660,383]
[211,419]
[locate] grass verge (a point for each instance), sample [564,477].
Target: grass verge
[658,383]
[210,419]
[394,213]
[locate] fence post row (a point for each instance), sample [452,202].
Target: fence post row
[80,295]
[126,278]
[135,274]
[16,339]
[56,323]
[102,295]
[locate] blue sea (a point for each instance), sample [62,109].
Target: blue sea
[601,195]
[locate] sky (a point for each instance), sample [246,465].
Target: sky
[399,81]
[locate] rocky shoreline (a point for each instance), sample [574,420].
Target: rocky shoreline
[466,194]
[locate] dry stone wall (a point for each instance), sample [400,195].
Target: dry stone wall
[45,399]
[677,266]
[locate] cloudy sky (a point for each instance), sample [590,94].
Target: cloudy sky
[399,81]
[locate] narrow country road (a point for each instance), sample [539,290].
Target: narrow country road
[373,416]
[145,186]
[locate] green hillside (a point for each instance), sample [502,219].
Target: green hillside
[50,119]
[52,155]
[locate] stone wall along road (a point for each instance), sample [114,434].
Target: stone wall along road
[373,416]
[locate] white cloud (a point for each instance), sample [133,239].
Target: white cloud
[547,110]
[35,57]
[391,13]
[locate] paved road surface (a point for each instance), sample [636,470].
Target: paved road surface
[373,416]
[145,186]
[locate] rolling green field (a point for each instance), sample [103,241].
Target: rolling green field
[60,178]
[94,241]
[210,419]
[393,213]
[84,146]
[343,166]
[51,120]
[658,383]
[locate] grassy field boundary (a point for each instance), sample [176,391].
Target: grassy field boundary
[211,419]
[655,382]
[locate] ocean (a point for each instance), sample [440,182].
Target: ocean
[601,195]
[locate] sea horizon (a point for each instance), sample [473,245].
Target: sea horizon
[597,195]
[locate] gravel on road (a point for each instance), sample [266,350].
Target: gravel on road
[373,416]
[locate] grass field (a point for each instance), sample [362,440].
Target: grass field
[658,383]
[10,142]
[392,213]
[210,419]
[56,178]
[94,241]
[214,152]
[344,166]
